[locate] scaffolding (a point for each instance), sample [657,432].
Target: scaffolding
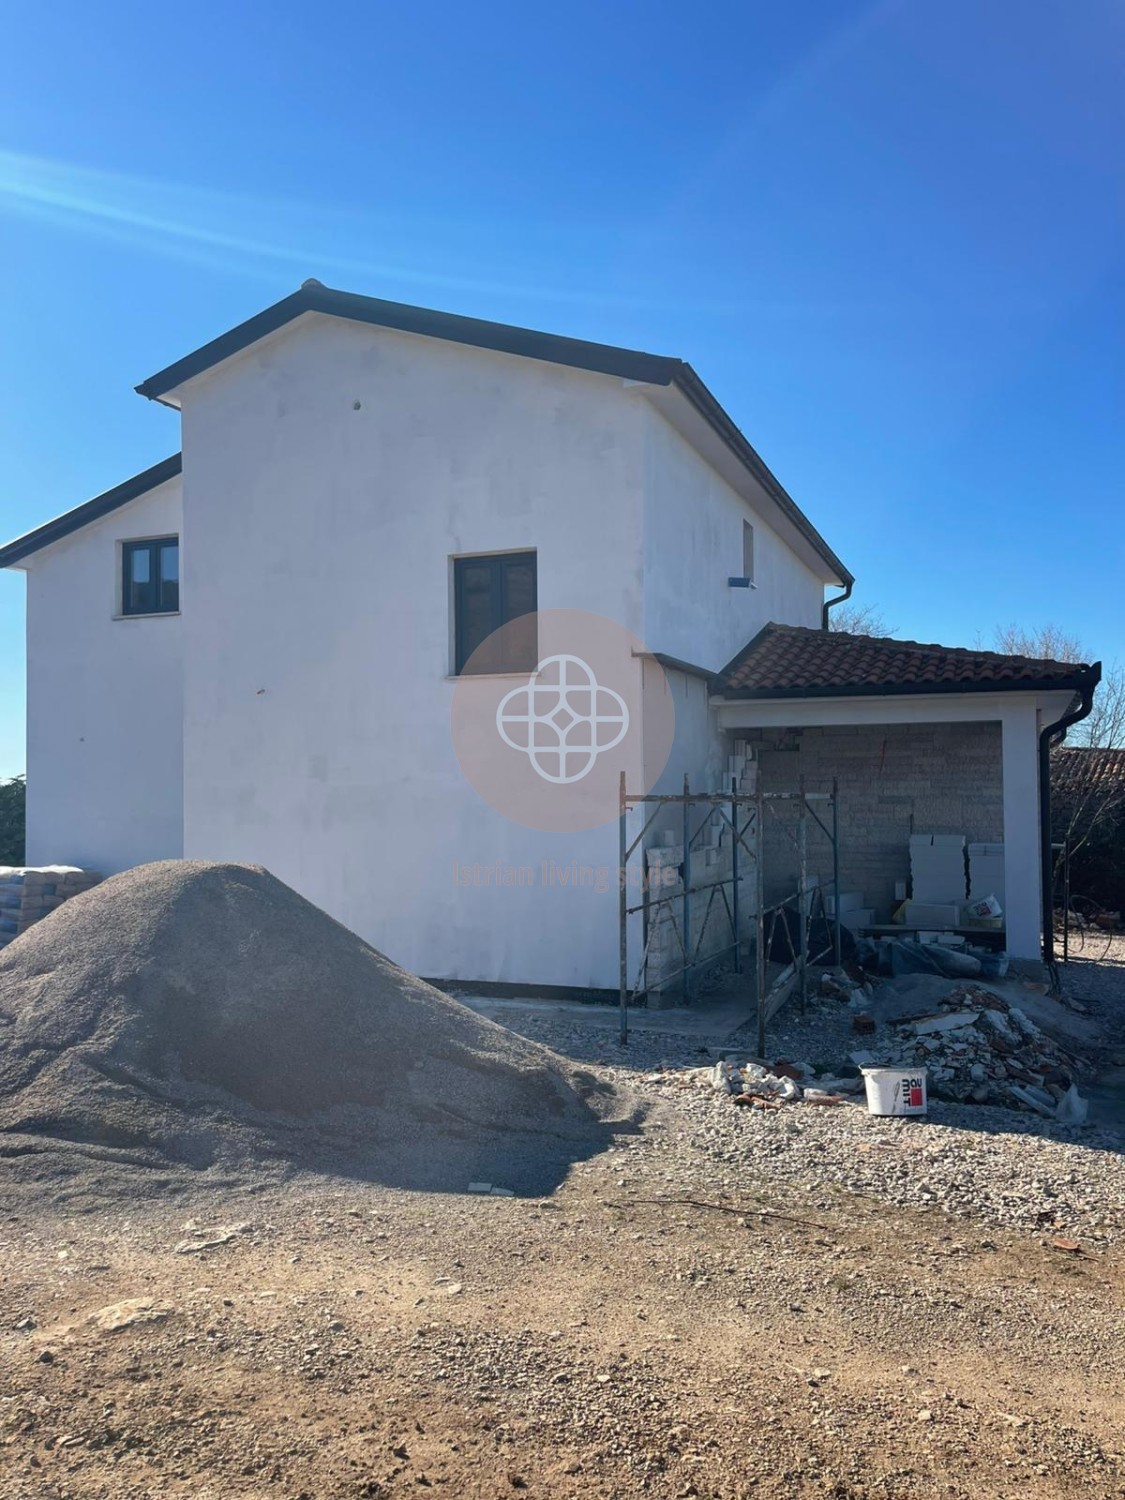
[743,816]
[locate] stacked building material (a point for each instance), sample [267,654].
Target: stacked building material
[29,894]
[986,871]
[937,874]
[853,913]
[937,866]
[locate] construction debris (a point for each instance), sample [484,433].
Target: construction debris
[978,1048]
[973,1045]
[753,1085]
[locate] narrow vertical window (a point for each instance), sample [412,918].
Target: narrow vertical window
[150,577]
[490,592]
[748,551]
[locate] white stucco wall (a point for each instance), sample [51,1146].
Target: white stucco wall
[693,544]
[317,691]
[297,715]
[104,704]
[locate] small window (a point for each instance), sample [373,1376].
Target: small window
[150,577]
[748,551]
[490,592]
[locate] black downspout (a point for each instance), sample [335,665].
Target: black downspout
[839,599]
[1047,863]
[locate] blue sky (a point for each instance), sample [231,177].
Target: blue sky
[889,236]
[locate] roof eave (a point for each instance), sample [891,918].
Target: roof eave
[91,510]
[479,333]
[1088,677]
[699,394]
[607,359]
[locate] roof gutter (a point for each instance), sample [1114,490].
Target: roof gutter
[1051,733]
[839,599]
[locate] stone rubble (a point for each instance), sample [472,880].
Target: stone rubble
[999,1164]
[978,1048]
[752,1084]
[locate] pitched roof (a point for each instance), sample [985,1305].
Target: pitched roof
[90,510]
[607,359]
[1087,769]
[313,297]
[790,661]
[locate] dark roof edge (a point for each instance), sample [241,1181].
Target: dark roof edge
[674,664]
[686,380]
[606,359]
[1090,675]
[91,510]
[724,672]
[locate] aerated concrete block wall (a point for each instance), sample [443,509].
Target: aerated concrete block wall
[894,780]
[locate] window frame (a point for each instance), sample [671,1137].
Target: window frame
[749,546]
[498,563]
[745,579]
[154,546]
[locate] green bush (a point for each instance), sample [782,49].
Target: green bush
[12,800]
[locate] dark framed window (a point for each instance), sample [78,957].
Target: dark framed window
[488,594]
[150,577]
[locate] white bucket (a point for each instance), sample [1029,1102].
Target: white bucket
[895,1091]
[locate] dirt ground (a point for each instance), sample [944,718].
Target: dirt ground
[349,1341]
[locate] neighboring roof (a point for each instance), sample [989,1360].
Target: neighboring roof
[606,359]
[791,661]
[1087,769]
[91,510]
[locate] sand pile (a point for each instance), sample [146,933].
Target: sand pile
[191,1015]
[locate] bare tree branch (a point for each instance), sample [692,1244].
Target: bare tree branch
[1088,792]
[858,619]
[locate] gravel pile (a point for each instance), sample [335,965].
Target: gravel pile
[204,1016]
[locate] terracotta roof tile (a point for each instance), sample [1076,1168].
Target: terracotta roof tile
[794,661]
[1083,768]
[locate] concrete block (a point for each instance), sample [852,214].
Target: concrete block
[857,917]
[849,901]
[932,914]
[670,857]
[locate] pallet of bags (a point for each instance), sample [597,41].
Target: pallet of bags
[30,893]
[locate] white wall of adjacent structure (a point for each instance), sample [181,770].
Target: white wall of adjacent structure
[693,529]
[330,475]
[104,701]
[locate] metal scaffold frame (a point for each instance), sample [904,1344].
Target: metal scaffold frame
[744,815]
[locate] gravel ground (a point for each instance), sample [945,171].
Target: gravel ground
[1095,976]
[720,1305]
[638,1333]
[1003,1167]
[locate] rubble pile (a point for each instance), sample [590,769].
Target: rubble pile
[754,1085]
[978,1048]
